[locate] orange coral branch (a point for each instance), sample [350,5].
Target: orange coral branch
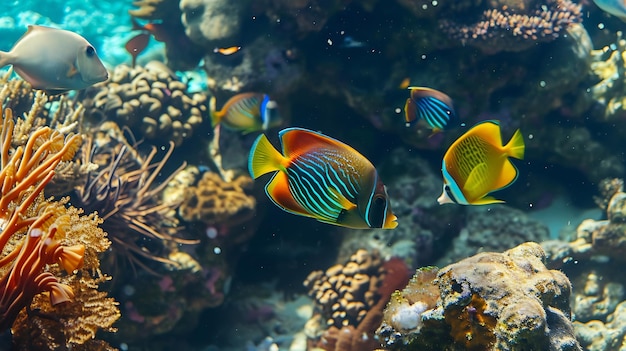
[23,176]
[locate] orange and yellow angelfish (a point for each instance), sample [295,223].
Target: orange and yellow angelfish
[319,177]
[477,164]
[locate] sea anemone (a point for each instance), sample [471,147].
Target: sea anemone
[122,189]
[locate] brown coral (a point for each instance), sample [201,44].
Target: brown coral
[350,299]
[514,26]
[150,100]
[214,201]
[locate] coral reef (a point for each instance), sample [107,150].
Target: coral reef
[213,201]
[150,100]
[350,299]
[512,25]
[490,301]
[40,239]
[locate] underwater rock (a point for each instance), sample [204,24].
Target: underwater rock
[604,336]
[213,23]
[494,228]
[491,301]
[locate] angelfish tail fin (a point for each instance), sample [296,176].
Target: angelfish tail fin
[5,59]
[216,116]
[264,158]
[515,147]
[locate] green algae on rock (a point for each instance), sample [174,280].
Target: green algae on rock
[491,301]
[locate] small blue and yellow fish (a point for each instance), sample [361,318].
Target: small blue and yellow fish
[477,164]
[55,60]
[431,106]
[322,178]
[246,112]
[616,8]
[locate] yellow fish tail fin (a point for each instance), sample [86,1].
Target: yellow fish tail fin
[216,116]
[264,158]
[515,147]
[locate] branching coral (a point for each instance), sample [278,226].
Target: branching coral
[514,25]
[28,239]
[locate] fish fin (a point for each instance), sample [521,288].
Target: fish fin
[216,116]
[346,204]
[486,201]
[507,175]
[477,183]
[5,58]
[435,131]
[296,141]
[264,158]
[515,147]
[489,131]
[410,114]
[278,191]
[72,71]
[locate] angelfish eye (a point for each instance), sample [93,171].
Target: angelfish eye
[90,51]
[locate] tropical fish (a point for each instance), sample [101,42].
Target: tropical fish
[319,177]
[477,164]
[431,106]
[616,8]
[55,60]
[227,51]
[246,112]
[136,45]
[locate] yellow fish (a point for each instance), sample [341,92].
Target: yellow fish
[55,60]
[477,164]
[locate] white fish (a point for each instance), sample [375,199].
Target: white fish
[55,60]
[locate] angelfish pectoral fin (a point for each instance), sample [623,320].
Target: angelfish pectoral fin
[72,71]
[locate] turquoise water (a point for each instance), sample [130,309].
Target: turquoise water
[208,262]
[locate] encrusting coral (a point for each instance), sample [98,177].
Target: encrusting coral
[151,100]
[214,201]
[491,301]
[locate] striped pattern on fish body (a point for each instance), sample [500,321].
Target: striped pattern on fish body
[321,182]
[431,106]
[246,112]
[322,178]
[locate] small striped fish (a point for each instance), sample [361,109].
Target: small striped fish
[430,105]
[246,112]
[322,178]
